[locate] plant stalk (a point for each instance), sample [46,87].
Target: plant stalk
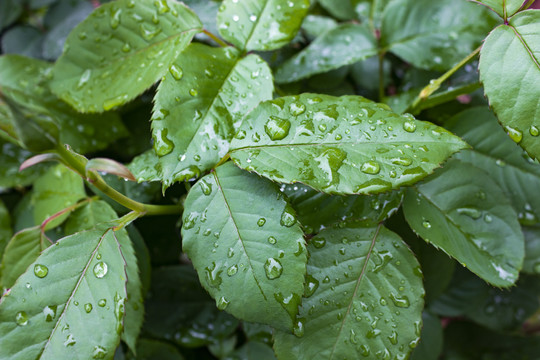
[215,38]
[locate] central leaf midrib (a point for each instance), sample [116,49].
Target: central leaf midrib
[238,233]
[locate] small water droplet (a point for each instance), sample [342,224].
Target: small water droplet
[222,303]
[514,134]
[99,352]
[176,71]
[70,341]
[240,135]
[148,32]
[534,131]
[88,307]
[232,270]
[311,286]
[400,301]
[299,327]
[206,188]
[272,240]
[426,224]
[40,271]
[470,212]
[273,268]
[297,108]
[261,222]
[193,92]
[21,318]
[114,102]
[100,269]
[102,303]
[288,217]
[50,312]
[318,242]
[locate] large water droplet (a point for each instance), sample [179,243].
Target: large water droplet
[162,6]
[400,301]
[21,318]
[470,212]
[311,286]
[176,72]
[277,128]
[403,161]
[222,303]
[213,275]
[232,270]
[205,187]
[88,307]
[102,302]
[40,271]
[371,167]
[273,268]
[514,134]
[409,126]
[272,240]
[162,144]
[148,32]
[50,312]
[534,131]
[115,17]
[297,108]
[318,242]
[85,77]
[100,269]
[99,352]
[288,217]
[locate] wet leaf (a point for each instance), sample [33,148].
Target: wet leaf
[70,291]
[531,265]
[237,238]
[10,10]
[460,210]
[148,349]
[431,339]
[5,227]
[343,45]
[198,108]
[363,298]
[317,210]
[252,350]
[11,157]
[99,71]
[23,40]
[27,82]
[434,35]
[505,8]
[346,145]
[260,24]
[54,191]
[494,152]
[513,91]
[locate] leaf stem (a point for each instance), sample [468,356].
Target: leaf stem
[435,84]
[77,163]
[215,38]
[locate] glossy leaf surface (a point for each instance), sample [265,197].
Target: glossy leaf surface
[494,152]
[56,190]
[240,233]
[198,108]
[120,50]
[513,91]
[318,210]
[27,82]
[505,8]
[346,145]
[72,289]
[460,210]
[434,35]
[343,45]
[260,24]
[363,298]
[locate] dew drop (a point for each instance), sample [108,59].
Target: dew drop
[193,92]
[514,134]
[400,301]
[126,48]
[240,135]
[403,161]
[162,144]
[371,167]
[21,318]
[288,217]
[176,71]
[206,188]
[277,128]
[115,17]
[261,222]
[40,271]
[534,131]
[297,108]
[88,307]
[299,327]
[50,312]
[470,212]
[70,341]
[409,126]
[231,271]
[148,32]
[318,242]
[273,268]
[99,352]
[222,303]
[272,240]
[102,303]
[311,286]
[100,269]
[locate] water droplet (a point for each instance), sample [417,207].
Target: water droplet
[534,131]
[50,312]
[193,92]
[70,341]
[205,187]
[102,303]
[148,32]
[288,218]
[176,71]
[299,327]
[297,108]
[272,240]
[261,222]
[232,270]
[365,350]
[114,102]
[162,144]
[393,338]
[277,128]
[273,268]
[311,286]
[88,307]
[222,303]
[409,126]
[318,242]
[514,134]
[240,135]
[381,259]
[470,212]
[99,352]
[40,271]
[213,275]
[85,77]
[126,48]
[426,224]
[373,333]
[162,6]
[371,167]
[115,17]
[230,253]
[400,301]
[100,269]
[403,161]
[21,318]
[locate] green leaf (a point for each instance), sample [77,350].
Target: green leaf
[88,216]
[531,264]
[198,108]
[343,45]
[10,10]
[505,8]
[431,339]
[21,251]
[27,82]
[178,305]
[240,233]
[5,227]
[460,210]
[499,156]
[260,24]
[11,157]
[54,191]
[346,145]
[70,291]
[99,71]
[317,211]
[315,25]
[151,349]
[23,40]
[252,350]
[363,298]
[434,34]
[513,91]
[341,9]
